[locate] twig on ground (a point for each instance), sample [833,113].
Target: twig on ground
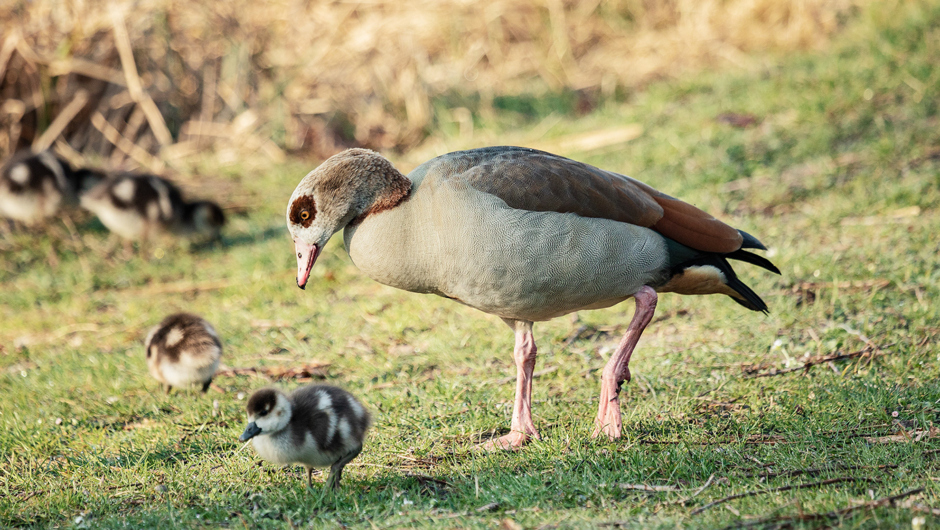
[32,494]
[838,480]
[695,493]
[707,484]
[781,522]
[121,486]
[312,371]
[424,479]
[754,439]
[871,350]
[758,462]
[641,487]
[817,470]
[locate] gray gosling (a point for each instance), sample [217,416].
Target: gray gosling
[182,351]
[35,186]
[316,426]
[136,207]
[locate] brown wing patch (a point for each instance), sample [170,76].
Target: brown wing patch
[303,210]
[533,180]
[694,228]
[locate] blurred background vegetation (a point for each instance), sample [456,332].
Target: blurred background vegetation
[149,83]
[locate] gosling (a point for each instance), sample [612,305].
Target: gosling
[316,426]
[35,186]
[137,206]
[182,351]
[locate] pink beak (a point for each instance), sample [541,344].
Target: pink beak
[306,257]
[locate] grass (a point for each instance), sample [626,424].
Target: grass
[838,175]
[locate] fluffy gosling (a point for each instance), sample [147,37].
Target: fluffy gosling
[183,350]
[34,187]
[138,206]
[316,426]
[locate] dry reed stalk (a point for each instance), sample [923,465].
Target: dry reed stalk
[126,146]
[61,121]
[321,76]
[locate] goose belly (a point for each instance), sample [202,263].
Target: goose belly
[472,247]
[189,370]
[29,207]
[279,448]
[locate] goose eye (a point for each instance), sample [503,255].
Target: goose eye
[305,215]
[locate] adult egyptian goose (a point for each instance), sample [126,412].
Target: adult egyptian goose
[315,425]
[35,186]
[182,351]
[138,206]
[524,235]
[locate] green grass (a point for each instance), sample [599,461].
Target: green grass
[846,144]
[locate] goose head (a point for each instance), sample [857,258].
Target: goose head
[269,411]
[347,187]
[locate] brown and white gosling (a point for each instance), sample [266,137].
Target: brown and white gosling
[138,206]
[315,425]
[35,186]
[182,351]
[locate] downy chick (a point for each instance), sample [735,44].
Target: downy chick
[182,351]
[138,206]
[202,219]
[34,187]
[316,426]
[135,206]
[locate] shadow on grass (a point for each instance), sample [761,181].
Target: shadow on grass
[277,231]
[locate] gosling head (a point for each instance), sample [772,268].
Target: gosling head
[203,219]
[269,411]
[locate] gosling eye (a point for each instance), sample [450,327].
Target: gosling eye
[304,215]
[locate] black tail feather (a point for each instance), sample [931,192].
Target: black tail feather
[753,259]
[751,241]
[751,300]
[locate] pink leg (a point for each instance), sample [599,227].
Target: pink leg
[522,426]
[617,369]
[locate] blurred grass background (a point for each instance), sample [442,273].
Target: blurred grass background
[826,146]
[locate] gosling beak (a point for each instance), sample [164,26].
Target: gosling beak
[306,257]
[251,431]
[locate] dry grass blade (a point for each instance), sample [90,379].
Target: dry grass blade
[838,480]
[642,487]
[9,46]
[278,373]
[871,351]
[61,121]
[914,435]
[426,480]
[129,148]
[818,470]
[783,522]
